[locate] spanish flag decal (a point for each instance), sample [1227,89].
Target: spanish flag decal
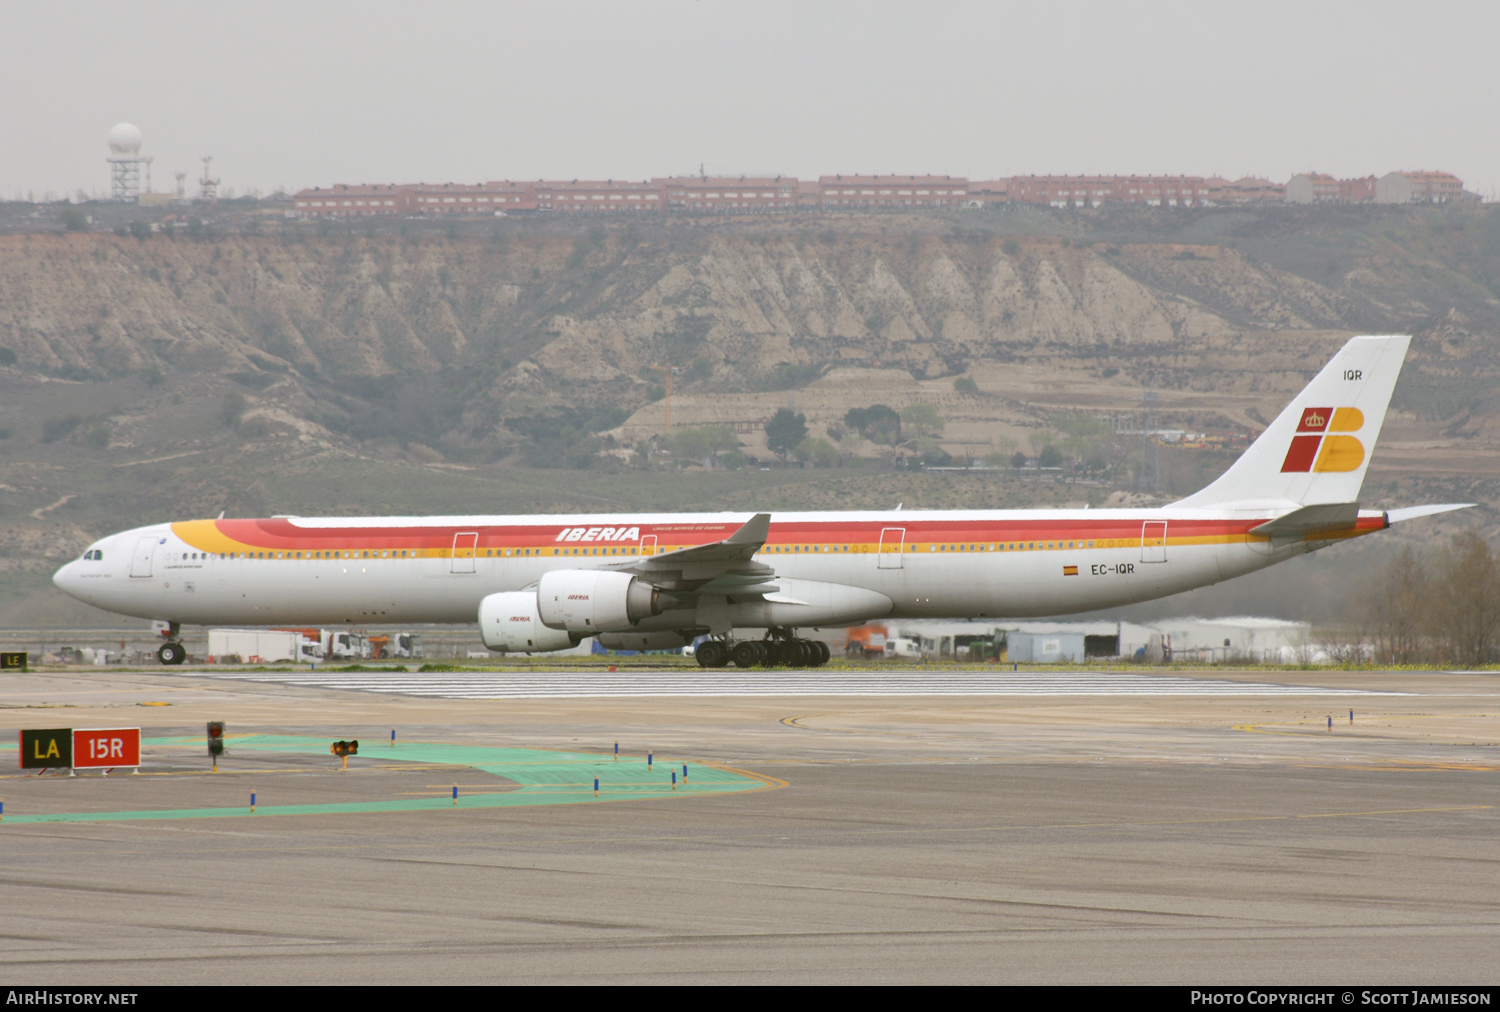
[1313,449]
[1070,570]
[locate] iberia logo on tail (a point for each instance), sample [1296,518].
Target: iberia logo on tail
[1316,446]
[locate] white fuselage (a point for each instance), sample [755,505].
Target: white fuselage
[916,564]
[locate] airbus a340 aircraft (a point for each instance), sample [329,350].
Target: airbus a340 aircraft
[655,581]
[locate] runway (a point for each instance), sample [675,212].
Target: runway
[1232,833]
[732,682]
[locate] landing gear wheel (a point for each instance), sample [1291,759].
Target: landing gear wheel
[712,654]
[745,655]
[171,653]
[822,651]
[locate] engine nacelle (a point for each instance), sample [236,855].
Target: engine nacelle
[590,601]
[810,603]
[669,640]
[509,622]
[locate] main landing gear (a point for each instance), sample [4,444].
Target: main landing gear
[780,649]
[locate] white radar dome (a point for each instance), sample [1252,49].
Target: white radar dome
[125,139]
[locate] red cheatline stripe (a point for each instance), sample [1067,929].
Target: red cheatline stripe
[281,535]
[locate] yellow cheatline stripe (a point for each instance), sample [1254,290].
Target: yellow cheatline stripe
[205,536]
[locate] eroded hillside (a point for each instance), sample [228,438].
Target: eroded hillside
[534,343]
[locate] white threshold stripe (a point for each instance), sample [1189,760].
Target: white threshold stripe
[585,684]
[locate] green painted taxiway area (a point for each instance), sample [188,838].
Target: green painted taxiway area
[536,777]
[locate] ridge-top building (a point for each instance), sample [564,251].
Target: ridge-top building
[840,191]
[1418,188]
[735,194]
[1096,191]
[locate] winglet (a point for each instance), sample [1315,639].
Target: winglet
[755,531]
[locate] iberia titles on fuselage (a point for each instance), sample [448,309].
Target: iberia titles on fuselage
[537,583]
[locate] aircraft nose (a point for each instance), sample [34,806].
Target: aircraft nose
[64,579]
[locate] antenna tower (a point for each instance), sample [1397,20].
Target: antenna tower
[208,186]
[125,161]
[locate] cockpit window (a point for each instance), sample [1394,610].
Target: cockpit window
[94,555]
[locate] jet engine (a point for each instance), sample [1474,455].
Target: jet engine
[589,601]
[509,622]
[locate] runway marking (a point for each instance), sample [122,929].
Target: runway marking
[733,682]
[1361,730]
[1401,766]
[797,723]
[542,777]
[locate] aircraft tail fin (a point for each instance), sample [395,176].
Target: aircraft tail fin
[1318,448]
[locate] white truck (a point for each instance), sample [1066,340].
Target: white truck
[262,646]
[345,646]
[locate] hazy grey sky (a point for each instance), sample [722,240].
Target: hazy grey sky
[307,93]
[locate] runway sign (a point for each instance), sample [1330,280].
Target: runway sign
[47,749]
[13,660]
[107,748]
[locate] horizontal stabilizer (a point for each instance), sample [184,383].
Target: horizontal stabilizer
[1335,516]
[1412,512]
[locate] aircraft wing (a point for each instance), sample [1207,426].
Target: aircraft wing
[723,567]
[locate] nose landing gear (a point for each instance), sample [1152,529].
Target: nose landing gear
[172,651]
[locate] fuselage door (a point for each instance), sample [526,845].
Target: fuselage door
[892,544]
[648,544]
[465,547]
[140,562]
[1154,541]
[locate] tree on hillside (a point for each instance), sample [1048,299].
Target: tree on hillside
[921,420]
[702,443]
[74,219]
[821,452]
[784,431]
[877,423]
